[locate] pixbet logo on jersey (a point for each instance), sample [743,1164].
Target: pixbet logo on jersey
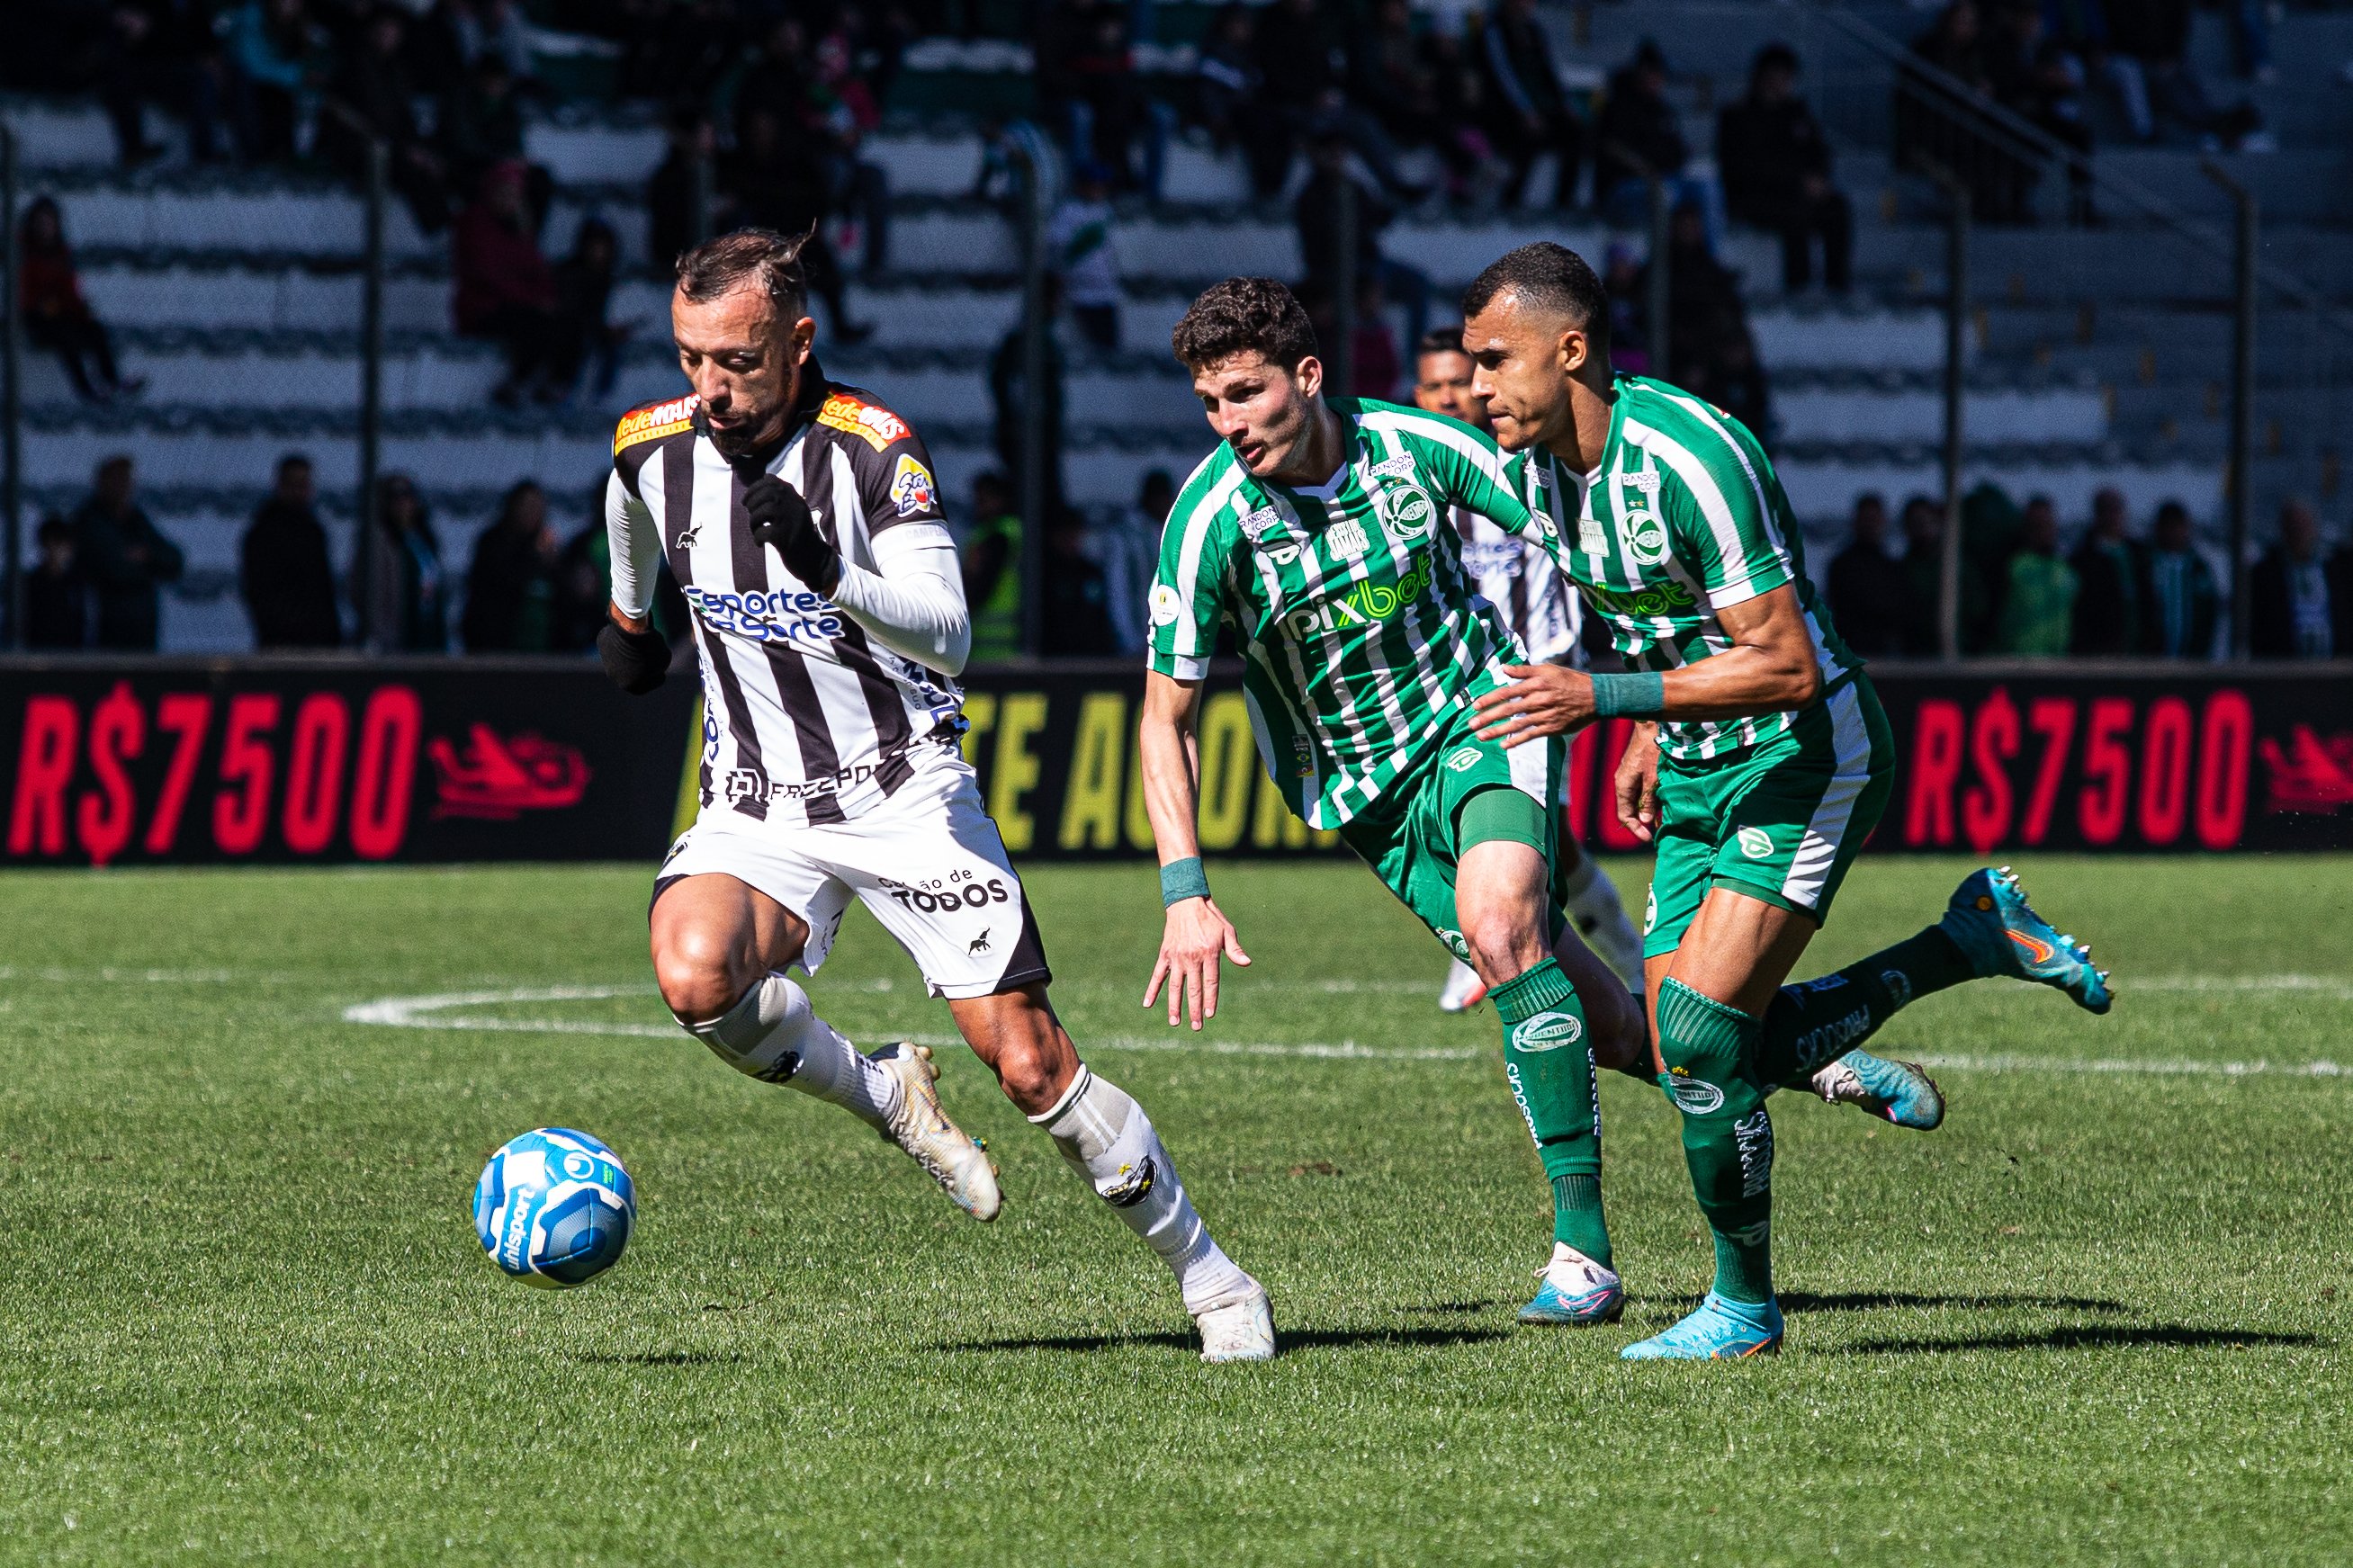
[1363,604]
[775,615]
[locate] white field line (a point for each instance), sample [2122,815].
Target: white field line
[436,1012]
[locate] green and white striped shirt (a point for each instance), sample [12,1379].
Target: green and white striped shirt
[1683,518]
[1361,632]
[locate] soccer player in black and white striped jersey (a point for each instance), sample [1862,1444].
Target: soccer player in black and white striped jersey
[801,517]
[1542,607]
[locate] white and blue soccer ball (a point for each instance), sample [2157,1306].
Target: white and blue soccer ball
[554,1208]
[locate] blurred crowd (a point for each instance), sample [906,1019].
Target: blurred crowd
[2026,594]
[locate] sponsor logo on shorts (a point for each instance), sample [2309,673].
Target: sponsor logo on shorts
[1650,912]
[1547,1032]
[877,427]
[943,895]
[1755,843]
[911,490]
[1166,605]
[1454,943]
[1694,1096]
[1468,757]
[980,946]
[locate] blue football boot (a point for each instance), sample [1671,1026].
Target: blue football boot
[1719,1330]
[1901,1092]
[1576,1292]
[1991,922]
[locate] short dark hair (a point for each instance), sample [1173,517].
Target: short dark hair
[1243,314]
[293,460]
[1548,275]
[1439,340]
[716,266]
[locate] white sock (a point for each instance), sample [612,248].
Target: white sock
[1579,882]
[774,1034]
[1105,1137]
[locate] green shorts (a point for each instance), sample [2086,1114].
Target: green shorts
[1410,837]
[1780,821]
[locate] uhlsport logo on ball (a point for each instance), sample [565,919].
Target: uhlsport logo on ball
[554,1208]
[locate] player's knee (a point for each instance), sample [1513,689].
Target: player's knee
[697,972]
[1501,942]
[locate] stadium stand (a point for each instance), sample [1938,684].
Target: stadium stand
[234,293]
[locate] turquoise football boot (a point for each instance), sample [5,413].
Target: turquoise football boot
[1900,1093]
[1991,922]
[1719,1330]
[1577,1291]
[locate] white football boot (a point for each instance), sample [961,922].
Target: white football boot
[1238,1328]
[1464,989]
[954,1158]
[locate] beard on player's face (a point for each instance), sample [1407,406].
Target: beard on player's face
[746,359]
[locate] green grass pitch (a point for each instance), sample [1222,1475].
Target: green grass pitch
[2099,1318]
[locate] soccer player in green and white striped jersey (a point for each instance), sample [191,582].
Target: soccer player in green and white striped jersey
[1761,763]
[1318,528]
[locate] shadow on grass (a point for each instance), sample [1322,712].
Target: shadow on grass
[658,1358]
[2176,1335]
[1874,1301]
[1289,1339]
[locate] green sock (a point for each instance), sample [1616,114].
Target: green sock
[1809,1025]
[1548,1057]
[1710,1049]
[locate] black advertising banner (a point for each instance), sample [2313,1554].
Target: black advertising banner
[2089,757]
[328,759]
[324,761]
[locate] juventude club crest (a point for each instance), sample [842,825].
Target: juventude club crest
[1408,511]
[1646,538]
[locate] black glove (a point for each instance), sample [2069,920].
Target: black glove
[636,660]
[781,518]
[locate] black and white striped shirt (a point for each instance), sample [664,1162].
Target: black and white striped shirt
[807,718]
[1522,579]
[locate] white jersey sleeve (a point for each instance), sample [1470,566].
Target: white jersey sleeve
[637,549]
[912,602]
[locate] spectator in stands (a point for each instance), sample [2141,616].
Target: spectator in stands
[584,588]
[407,605]
[481,126]
[1940,132]
[1088,89]
[1867,587]
[1738,385]
[276,57]
[1077,620]
[505,290]
[1622,280]
[1924,573]
[1706,323]
[1229,101]
[992,569]
[1528,110]
[56,316]
[779,182]
[511,587]
[2038,80]
[56,594]
[374,86]
[479,30]
[2112,579]
[283,572]
[1303,59]
[2155,80]
[687,173]
[583,293]
[126,559]
[843,110]
[2037,619]
[1011,396]
[1637,137]
[2299,605]
[1318,213]
[1457,70]
[2183,604]
[1079,238]
[1128,550]
[1775,163]
[160,52]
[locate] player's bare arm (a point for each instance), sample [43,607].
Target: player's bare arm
[1770,668]
[1197,935]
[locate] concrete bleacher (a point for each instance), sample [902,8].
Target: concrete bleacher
[2094,356]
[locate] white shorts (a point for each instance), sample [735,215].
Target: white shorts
[927,862]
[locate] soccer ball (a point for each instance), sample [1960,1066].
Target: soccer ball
[554,1208]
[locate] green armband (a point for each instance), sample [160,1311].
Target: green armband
[1643,696]
[1181,880]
